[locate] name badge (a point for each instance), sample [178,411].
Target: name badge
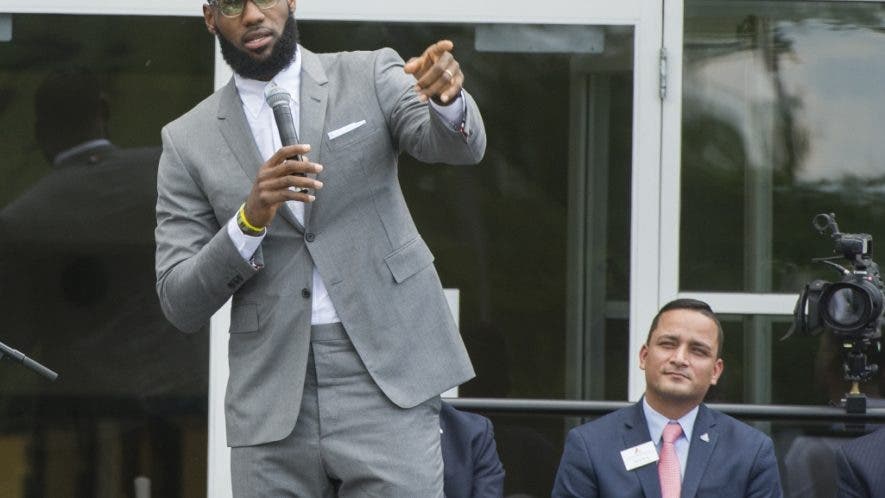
[639,455]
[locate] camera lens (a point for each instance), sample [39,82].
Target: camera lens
[850,307]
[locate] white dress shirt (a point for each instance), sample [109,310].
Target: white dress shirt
[656,423]
[267,137]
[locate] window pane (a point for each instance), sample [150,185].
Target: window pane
[781,121]
[521,236]
[762,368]
[76,259]
[530,447]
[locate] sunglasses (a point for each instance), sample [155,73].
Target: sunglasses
[233,8]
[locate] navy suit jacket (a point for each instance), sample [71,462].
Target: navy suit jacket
[470,458]
[861,466]
[726,459]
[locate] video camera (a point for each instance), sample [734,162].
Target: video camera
[851,308]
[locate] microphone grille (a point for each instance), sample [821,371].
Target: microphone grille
[275,95]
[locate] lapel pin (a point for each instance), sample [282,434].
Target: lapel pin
[705,437]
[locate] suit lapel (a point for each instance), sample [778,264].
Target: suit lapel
[703,441]
[312,113]
[238,135]
[635,433]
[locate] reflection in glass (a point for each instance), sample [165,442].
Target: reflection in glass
[530,447]
[803,370]
[781,109]
[848,307]
[79,155]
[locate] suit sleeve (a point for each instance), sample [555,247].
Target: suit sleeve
[848,484]
[488,472]
[575,477]
[415,127]
[198,266]
[764,481]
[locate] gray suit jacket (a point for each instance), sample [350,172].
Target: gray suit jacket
[359,234]
[732,461]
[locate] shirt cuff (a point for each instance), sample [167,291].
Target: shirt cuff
[246,244]
[454,113]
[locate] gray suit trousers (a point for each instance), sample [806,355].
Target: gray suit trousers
[350,440]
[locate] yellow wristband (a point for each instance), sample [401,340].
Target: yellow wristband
[244,223]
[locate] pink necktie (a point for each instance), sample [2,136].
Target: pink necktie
[668,465]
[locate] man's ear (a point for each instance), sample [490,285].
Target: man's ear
[209,18]
[718,367]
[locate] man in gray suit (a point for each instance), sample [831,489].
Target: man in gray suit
[669,444]
[341,339]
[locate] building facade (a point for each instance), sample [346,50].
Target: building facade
[638,151]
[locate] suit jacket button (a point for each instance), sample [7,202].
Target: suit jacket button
[309,236]
[305,293]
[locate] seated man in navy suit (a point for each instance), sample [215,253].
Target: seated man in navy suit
[861,467]
[470,457]
[669,444]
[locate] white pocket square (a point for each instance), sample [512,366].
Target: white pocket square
[345,129]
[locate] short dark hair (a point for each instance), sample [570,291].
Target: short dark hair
[691,305]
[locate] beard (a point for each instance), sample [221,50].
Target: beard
[281,55]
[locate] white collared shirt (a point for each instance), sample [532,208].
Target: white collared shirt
[267,138]
[656,423]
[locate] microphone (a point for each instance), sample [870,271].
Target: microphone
[278,99]
[24,360]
